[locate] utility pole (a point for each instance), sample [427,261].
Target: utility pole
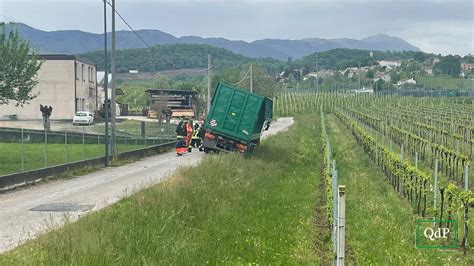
[113,100]
[106,81]
[208,83]
[251,78]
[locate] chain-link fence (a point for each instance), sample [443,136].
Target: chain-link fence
[25,148]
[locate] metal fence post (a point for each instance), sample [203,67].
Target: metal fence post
[98,144]
[45,148]
[83,145]
[341,231]
[22,151]
[65,147]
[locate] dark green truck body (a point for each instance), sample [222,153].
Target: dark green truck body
[236,117]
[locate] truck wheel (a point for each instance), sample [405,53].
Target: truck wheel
[206,150]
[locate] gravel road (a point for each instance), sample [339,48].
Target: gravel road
[87,193]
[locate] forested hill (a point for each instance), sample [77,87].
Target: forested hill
[343,58]
[75,42]
[174,56]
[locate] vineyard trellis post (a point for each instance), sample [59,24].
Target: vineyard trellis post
[466,218]
[341,230]
[435,185]
[334,211]
[328,159]
[416,159]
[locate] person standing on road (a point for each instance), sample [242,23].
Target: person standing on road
[189,133]
[195,140]
[201,133]
[181,131]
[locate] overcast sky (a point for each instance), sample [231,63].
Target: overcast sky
[438,26]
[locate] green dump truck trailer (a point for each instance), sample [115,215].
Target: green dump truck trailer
[236,119]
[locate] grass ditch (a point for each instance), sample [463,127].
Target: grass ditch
[231,209]
[380,225]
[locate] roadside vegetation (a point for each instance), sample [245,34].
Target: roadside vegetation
[217,212]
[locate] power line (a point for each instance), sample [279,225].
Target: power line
[245,76]
[148,45]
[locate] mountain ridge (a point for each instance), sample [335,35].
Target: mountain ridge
[77,41]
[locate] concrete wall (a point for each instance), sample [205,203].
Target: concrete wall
[58,86]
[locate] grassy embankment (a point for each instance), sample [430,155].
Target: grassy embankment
[380,225]
[231,209]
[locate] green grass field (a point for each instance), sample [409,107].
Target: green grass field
[34,154]
[232,209]
[444,82]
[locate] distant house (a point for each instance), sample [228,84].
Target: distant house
[406,82]
[385,78]
[101,91]
[429,70]
[389,64]
[466,67]
[65,82]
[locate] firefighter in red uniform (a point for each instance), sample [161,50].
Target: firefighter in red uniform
[189,133]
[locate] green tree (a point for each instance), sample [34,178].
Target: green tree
[419,56]
[379,85]
[449,65]
[370,74]
[18,68]
[395,77]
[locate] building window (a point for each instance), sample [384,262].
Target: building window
[77,71]
[83,72]
[91,93]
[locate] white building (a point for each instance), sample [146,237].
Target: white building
[389,64]
[406,82]
[66,83]
[101,90]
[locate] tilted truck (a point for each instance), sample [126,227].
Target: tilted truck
[236,119]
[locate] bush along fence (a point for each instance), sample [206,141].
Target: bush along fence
[335,198]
